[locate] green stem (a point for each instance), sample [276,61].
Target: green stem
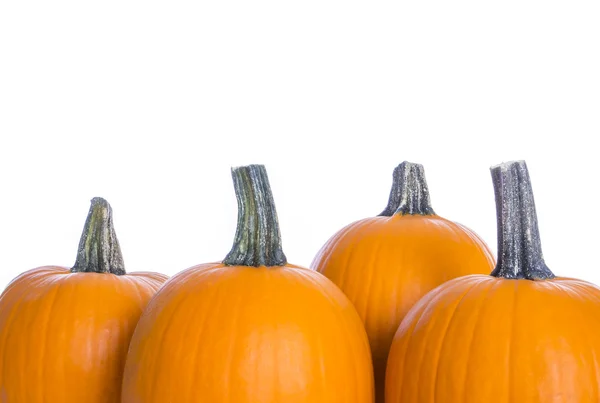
[519,246]
[409,194]
[99,250]
[257,239]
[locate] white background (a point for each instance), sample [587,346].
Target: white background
[149,104]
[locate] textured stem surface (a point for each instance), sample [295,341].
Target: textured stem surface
[519,246]
[409,194]
[257,238]
[99,249]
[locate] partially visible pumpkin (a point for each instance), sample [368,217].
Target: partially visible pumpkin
[518,335]
[252,328]
[64,333]
[384,264]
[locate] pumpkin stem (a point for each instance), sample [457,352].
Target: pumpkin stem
[257,238]
[519,246]
[409,194]
[99,249]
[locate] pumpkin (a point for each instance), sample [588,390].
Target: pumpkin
[518,335]
[384,264]
[64,333]
[252,328]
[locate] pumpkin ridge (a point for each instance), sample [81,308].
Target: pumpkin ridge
[199,337]
[596,371]
[341,319]
[476,323]
[48,313]
[232,346]
[155,361]
[15,303]
[333,240]
[473,236]
[443,336]
[593,354]
[362,312]
[511,336]
[568,293]
[577,287]
[134,283]
[144,281]
[369,287]
[410,334]
[349,256]
[311,278]
[416,324]
[422,351]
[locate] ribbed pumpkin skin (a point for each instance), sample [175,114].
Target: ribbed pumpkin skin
[386,264]
[225,334]
[64,336]
[487,339]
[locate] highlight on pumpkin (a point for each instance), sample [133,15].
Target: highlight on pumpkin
[519,334]
[260,329]
[65,332]
[385,264]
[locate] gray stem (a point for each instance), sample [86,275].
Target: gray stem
[519,246]
[257,238]
[409,194]
[99,249]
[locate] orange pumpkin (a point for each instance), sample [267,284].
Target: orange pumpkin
[518,335]
[384,264]
[252,328]
[64,333]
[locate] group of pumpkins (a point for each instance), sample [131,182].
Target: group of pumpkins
[396,308]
